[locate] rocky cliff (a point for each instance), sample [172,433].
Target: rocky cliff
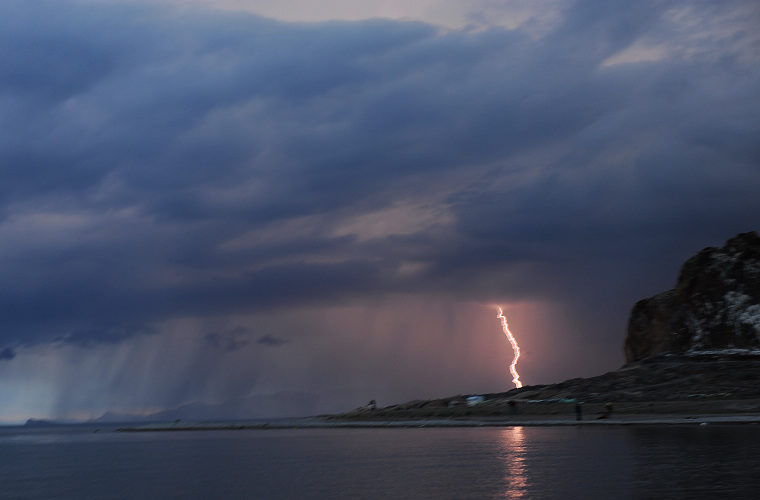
[713,309]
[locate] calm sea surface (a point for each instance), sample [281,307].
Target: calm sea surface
[520,462]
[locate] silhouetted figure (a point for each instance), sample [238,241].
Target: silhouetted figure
[578,411]
[512,406]
[607,411]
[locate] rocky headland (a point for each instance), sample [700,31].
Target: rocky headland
[690,351]
[714,308]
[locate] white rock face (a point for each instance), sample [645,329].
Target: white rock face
[714,307]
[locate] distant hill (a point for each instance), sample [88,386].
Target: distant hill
[36,422]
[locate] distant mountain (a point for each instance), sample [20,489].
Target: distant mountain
[282,404]
[36,422]
[713,309]
[113,417]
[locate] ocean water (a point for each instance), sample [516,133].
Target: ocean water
[658,462]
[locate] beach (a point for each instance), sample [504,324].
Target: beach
[526,413]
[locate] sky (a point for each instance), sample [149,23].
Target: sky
[323,203]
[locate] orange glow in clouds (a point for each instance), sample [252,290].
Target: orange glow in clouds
[515,347]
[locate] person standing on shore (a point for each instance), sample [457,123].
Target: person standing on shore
[578,411]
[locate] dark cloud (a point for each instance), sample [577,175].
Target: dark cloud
[93,337]
[7,354]
[271,340]
[168,164]
[233,340]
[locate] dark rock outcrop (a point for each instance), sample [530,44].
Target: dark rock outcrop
[713,309]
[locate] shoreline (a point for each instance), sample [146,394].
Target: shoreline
[544,421]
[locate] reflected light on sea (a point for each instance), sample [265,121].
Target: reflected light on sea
[512,454]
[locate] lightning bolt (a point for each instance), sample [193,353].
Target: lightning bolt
[515,347]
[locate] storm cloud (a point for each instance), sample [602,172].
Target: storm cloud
[206,183]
